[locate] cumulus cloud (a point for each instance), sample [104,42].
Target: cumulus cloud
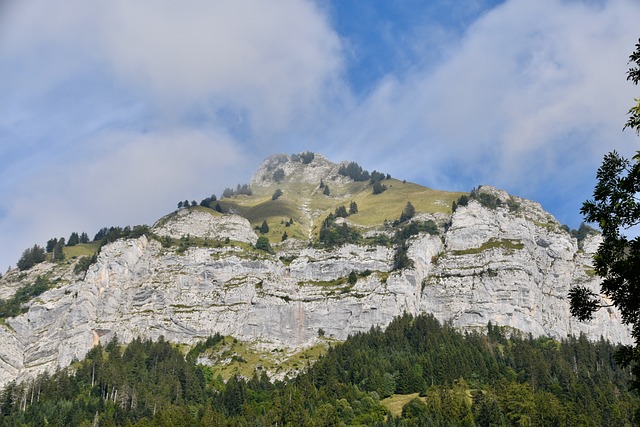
[533,94]
[265,60]
[113,108]
[121,178]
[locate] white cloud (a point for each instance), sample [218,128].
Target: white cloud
[534,92]
[121,179]
[114,110]
[271,61]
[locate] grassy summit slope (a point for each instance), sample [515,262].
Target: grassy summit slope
[304,201]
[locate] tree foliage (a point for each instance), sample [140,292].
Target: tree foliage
[58,250]
[243,189]
[496,379]
[341,212]
[306,157]
[14,306]
[74,239]
[354,171]
[633,75]
[263,244]
[332,234]
[208,202]
[615,208]
[379,188]
[353,208]
[408,212]
[263,228]
[31,257]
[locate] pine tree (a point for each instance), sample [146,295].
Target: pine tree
[31,257]
[74,239]
[58,251]
[263,244]
[51,243]
[408,212]
[379,188]
[341,212]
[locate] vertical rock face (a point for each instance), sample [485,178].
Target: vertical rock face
[512,265]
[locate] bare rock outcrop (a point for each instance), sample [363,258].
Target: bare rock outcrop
[511,265]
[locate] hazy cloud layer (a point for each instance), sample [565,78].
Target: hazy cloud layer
[529,100]
[112,111]
[116,109]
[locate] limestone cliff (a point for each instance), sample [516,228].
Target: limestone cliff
[512,265]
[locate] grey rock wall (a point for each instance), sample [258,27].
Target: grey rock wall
[513,268]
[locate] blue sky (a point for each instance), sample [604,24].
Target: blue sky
[112,111]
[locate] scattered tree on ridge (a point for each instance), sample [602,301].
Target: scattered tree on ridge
[379,188]
[408,212]
[263,244]
[341,212]
[74,239]
[31,257]
[51,243]
[307,157]
[354,171]
[58,251]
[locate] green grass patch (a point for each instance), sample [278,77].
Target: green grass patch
[395,403]
[551,226]
[234,357]
[375,209]
[326,283]
[308,206]
[81,249]
[280,208]
[505,244]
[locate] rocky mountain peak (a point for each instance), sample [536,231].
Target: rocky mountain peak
[493,257]
[304,167]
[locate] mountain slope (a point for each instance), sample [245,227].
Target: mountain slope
[497,258]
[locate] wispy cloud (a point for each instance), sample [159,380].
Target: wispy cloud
[112,111]
[531,97]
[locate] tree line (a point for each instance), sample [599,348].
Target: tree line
[495,379]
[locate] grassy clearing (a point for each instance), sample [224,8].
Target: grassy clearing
[234,357]
[81,249]
[374,209]
[395,403]
[308,206]
[505,244]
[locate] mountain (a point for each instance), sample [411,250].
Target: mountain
[196,272]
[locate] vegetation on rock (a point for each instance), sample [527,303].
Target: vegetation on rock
[442,376]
